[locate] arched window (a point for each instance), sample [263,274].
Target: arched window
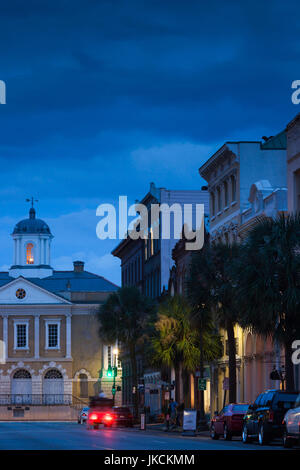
[53,374]
[29,254]
[22,374]
[84,385]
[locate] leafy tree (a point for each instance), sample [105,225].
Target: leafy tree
[124,317]
[269,287]
[212,290]
[177,342]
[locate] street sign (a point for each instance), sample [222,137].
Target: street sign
[189,420]
[226,383]
[201,384]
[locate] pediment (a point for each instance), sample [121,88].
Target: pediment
[21,291]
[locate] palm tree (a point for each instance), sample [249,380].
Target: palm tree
[211,290]
[177,343]
[269,287]
[124,317]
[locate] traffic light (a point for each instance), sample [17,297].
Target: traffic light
[109,372]
[115,371]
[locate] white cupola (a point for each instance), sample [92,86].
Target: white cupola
[32,240]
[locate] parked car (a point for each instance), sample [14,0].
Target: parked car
[291,425]
[263,420]
[229,422]
[122,416]
[83,415]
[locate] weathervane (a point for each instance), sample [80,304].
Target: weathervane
[32,200]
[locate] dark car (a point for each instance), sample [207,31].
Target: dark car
[291,426]
[229,422]
[122,416]
[264,418]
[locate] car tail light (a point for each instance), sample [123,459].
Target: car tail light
[108,417]
[93,416]
[83,414]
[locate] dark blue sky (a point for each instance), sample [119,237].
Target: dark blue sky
[104,96]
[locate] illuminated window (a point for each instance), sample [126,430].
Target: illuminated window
[29,254]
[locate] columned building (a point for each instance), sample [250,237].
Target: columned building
[50,349]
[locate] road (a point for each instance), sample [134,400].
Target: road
[71,436]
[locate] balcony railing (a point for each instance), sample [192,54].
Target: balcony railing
[42,399]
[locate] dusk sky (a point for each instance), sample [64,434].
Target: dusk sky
[105,96]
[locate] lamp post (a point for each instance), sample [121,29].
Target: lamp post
[115,368]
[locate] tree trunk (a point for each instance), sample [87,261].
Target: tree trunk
[186,388]
[289,367]
[134,378]
[201,367]
[177,383]
[231,361]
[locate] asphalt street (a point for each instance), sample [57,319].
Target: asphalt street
[73,436]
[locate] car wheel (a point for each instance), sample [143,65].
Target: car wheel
[287,441]
[245,435]
[96,426]
[227,435]
[213,433]
[262,436]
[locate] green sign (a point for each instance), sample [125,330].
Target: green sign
[201,384]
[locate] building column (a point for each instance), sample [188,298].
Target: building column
[37,336]
[68,335]
[5,337]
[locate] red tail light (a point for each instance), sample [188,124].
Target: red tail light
[108,417]
[93,416]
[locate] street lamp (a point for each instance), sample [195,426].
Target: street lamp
[115,369]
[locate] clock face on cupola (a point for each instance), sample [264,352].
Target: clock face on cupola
[32,239]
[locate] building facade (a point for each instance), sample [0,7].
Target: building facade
[146,264]
[293,164]
[51,351]
[230,173]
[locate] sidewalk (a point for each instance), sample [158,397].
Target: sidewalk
[160,427]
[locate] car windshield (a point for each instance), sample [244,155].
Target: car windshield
[240,408]
[284,400]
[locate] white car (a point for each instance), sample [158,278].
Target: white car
[83,415]
[291,421]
